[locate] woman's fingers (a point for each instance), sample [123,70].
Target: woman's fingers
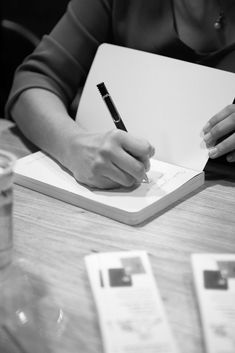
[131,155]
[137,147]
[224,147]
[231,157]
[219,133]
[110,160]
[217,118]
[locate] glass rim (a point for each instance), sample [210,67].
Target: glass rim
[11,159]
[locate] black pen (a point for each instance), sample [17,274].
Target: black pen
[114,112]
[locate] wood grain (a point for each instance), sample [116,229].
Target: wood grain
[54,237]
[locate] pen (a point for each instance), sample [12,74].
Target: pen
[114,112]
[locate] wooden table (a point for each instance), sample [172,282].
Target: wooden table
[55,237]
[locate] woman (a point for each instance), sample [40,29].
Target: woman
[49,79]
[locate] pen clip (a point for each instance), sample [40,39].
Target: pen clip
[116,120]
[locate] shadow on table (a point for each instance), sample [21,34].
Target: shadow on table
[220,169]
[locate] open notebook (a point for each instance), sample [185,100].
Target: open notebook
[131,206]
[164,100]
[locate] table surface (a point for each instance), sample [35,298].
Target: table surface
[55,236]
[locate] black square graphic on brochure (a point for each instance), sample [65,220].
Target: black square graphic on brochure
[119,278]
[214,280]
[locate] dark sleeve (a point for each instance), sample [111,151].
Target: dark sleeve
[62,60]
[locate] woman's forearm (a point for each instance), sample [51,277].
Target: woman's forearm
[43,119]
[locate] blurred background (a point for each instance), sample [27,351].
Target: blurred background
[23,23]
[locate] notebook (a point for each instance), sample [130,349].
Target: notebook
[41,173]
[164,100]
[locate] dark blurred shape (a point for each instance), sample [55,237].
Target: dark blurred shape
[23,23]
[38,16]
[16,43]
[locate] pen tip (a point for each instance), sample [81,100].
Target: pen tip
[145,179]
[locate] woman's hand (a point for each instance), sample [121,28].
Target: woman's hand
[219,134]
[109,160]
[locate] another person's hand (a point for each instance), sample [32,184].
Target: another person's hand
[109,160]
[219,134]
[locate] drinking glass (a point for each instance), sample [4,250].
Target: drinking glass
[30,318]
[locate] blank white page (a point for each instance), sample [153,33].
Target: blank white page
[164,100]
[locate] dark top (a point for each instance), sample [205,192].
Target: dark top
[61,61]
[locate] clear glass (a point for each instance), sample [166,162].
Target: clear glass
[30,318]
[6,201]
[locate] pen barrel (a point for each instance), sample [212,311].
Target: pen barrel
[114,113]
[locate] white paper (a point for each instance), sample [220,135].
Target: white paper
[214,277]
[163,100]
[130,310]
